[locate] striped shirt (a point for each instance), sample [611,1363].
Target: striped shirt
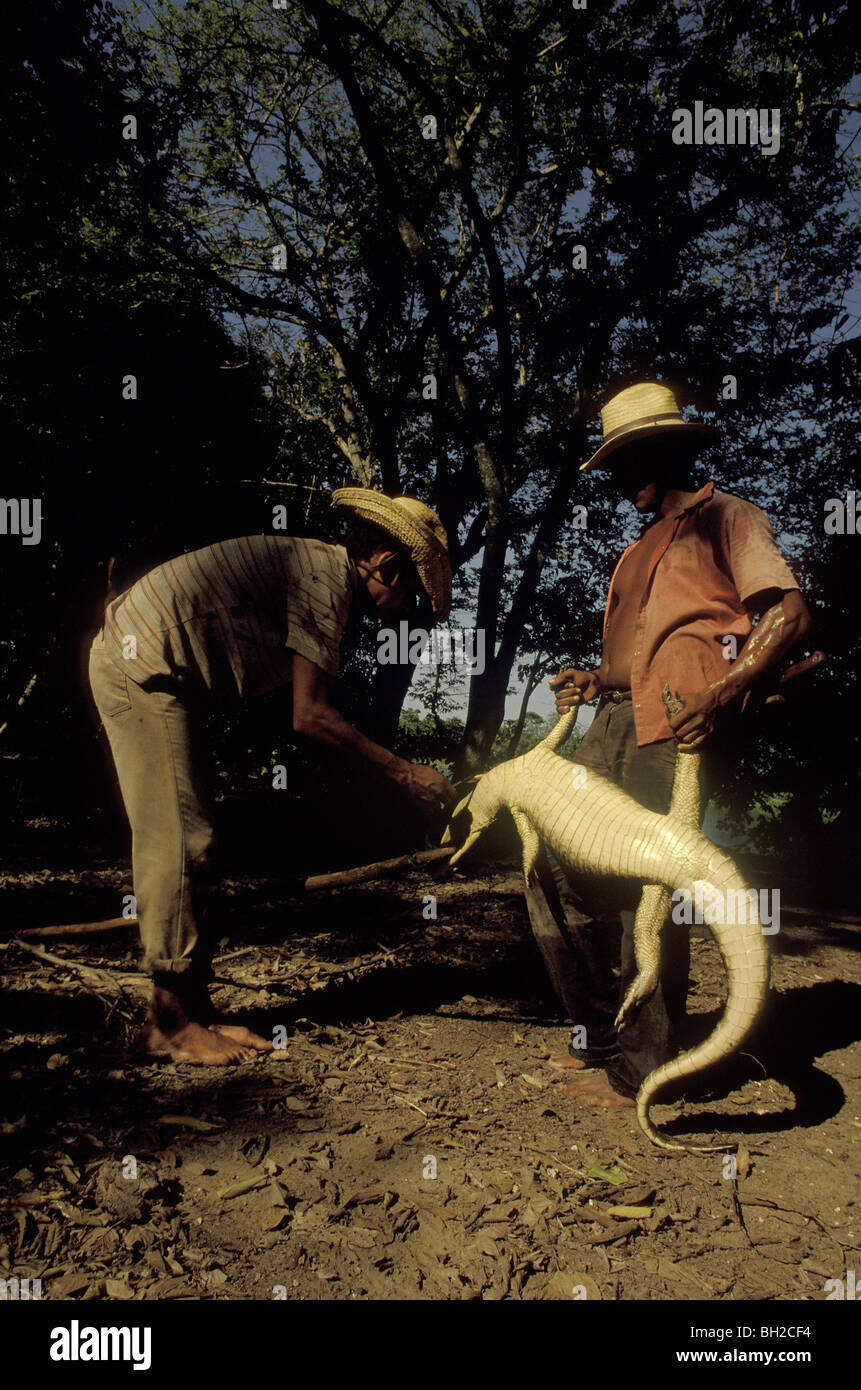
[230,615]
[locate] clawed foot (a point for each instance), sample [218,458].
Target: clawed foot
[640,989]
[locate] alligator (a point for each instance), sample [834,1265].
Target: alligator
[593,826]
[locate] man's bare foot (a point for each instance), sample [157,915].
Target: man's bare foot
[595,1089]
[194,1043]
[563,1061]
[238,1034]
[172,1030]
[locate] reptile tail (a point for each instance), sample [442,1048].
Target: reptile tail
[745,955]
[560,731]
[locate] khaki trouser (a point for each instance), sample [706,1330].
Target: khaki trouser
[155,735]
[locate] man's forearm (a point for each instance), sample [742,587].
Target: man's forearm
[327,726]
[771,640]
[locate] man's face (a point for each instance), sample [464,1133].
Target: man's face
[390,581]
[636,470]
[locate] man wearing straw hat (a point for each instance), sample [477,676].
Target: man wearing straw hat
[233,620]
[679,612]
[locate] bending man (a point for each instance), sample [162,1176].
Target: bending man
[228,622]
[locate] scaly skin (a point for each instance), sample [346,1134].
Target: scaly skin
[656,902]
[596,828]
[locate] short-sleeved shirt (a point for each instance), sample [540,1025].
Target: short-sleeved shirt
[719,552]
[228,616]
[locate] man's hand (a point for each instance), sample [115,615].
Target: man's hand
[695,722]
[428,787]
[316,718]
[575,687]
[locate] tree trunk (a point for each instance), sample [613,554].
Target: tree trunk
[486,713]
[388,693]
[531,683]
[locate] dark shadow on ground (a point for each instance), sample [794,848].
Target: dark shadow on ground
[796,1027]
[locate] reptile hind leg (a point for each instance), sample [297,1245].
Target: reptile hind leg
[652,912]
[656,901]
[531,844]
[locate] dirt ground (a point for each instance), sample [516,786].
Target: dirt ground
[410,1139]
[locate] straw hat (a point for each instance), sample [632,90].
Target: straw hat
[414,528]
[638,412]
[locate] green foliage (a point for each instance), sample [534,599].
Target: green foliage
[300,132]
[303,129]
[92,295]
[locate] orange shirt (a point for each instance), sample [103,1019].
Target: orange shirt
[720,551]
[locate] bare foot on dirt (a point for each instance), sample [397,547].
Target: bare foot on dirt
[242,1035]
[563,1061]
[194,1043]
[595,1089]
[171,1031]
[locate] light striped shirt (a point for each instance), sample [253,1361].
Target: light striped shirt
[230,615]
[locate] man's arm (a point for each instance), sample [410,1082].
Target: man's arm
[316,718]
[784,624]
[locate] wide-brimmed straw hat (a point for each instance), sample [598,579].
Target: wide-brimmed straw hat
[414,528]
[637,412]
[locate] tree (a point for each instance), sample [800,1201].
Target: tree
[121,467]
[397,195]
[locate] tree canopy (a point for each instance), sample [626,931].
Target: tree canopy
[427,240]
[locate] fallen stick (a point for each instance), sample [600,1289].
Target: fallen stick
[111,978]
[385,868]
[317,883]
[117,924]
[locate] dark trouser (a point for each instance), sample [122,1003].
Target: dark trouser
[576,904]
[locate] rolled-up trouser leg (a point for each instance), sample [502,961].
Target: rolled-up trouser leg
[155,739]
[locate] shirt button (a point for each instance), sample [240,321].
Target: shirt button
[636,707]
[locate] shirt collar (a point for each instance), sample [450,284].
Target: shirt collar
[704,495]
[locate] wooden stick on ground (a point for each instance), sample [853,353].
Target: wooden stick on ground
[317,883]
[384,868]
[112,979]
[115,924]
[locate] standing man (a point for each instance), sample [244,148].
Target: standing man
[228,622]
[682,600]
